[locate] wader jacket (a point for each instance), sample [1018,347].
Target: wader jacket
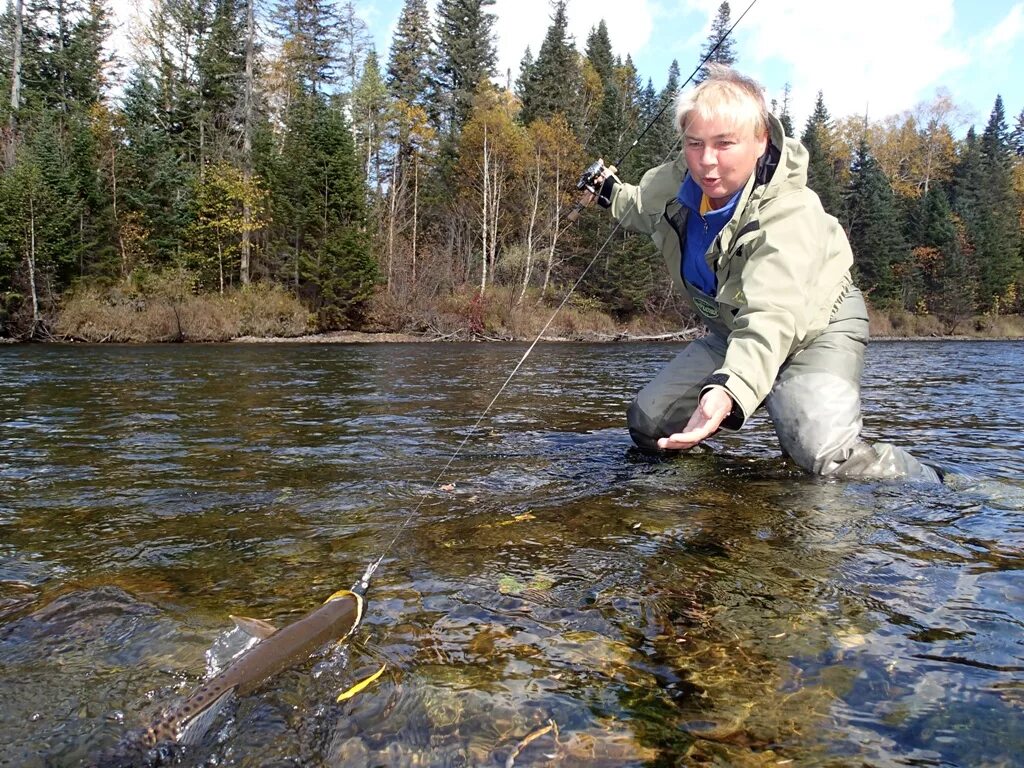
[782,264]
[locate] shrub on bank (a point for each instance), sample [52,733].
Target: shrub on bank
[163,308]
[898,323]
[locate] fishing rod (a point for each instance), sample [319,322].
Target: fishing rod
[589,176]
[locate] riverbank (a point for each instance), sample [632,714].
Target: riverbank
[269,314]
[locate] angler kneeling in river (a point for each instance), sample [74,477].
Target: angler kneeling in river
[769,272]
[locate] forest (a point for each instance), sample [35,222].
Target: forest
[261,169]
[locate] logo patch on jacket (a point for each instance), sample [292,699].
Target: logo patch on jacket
[705,305]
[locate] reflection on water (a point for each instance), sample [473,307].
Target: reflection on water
[565,601]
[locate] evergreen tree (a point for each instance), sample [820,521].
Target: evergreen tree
[996,237]
[1017,136]
[995,139]
[718,49]
[411,64]
[599,137]
[783,112]
[157,169]
[932,223]
[956,297]
[880,252]
[466,56]
[354,44]
[221,77]
[661,140]
[552,84]
[369,120]
[341,270]
[821,168]
[525,73]
[308,31]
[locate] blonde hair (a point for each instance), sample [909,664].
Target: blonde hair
[725,94]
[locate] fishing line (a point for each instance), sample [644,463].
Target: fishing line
[363,584]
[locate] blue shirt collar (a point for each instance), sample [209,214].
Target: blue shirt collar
[690,194]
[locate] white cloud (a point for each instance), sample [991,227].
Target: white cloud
[876,55]
[1008,31]
[522,23]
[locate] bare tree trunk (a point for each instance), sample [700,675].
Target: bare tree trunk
[62,35]
[391,226]
[415,210]
[32,266]
[12,123]
[220,264]
[16,58]
[484,219]
[250,55]
[495,212]
[529,233]
[555,229]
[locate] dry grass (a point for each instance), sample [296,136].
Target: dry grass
[165,310]
[902,324]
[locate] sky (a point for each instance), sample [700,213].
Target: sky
[881,57]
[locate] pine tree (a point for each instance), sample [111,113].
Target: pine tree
[466,57]
[354,44]
[369,120]
[932,224]
[657,115]
[157,168]
[880,252]
[1017,136]
[411,63]
[221,78]
[718,49]
[996,236]
[552,84]
[821,168]
[601,138]
[308,31]
[525,70]
[784,117]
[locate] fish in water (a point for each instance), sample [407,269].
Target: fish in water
[186,723]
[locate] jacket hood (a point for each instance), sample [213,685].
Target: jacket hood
[793,158]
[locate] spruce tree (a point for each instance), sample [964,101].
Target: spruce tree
[880,252]
[308,31]
[934,224]
[1017,136]
[369,105]
[821,168]
[601,138]
[466,56]
[354,44]
[553,82]
[661,142]
[221,76]
[525,73]
[996,237]
[784,117]
[411,62]
[718,48]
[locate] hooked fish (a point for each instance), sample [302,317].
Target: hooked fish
[336,619]
[186,723]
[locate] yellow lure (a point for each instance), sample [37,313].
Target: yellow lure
[361,685]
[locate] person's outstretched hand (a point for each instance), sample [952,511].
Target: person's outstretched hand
[711,411]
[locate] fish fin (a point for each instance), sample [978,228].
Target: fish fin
[254,627]
[191,732]
[361,685]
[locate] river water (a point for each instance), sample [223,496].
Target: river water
[549,597]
